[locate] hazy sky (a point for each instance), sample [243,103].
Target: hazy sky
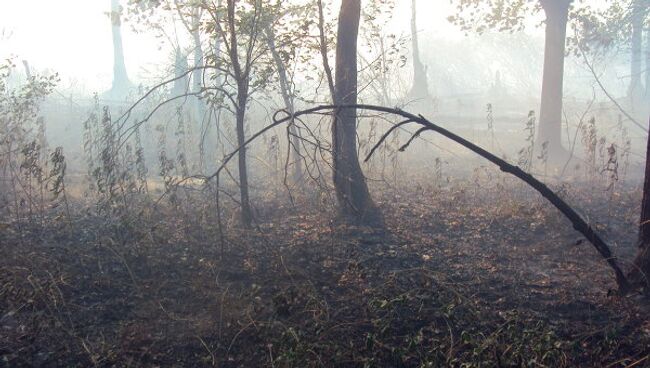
[73,37]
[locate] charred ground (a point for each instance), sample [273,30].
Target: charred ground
[461,276]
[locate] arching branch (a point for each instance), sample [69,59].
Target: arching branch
[578,222]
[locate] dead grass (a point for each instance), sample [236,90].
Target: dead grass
[461,278]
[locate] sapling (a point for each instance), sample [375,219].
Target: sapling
[525,155]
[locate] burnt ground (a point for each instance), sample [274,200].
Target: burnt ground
[463,276]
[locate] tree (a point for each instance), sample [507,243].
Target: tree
[550,113]
[280,27]
[121,83]
[241,72]
[355,203]
[647,62]
[619,25]
[239,59]
[635,90]
[480,16]
[420,87]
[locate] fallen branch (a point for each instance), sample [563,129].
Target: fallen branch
[578,222]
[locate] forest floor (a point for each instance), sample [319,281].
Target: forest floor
[463,276]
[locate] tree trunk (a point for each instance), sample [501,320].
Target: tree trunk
[241,76]
[550,115]
[355,204]
[197,74]
[634,91]
[121,83]
[420,88]
[641,270]
[323,50]
[246,215]
[181,82]
[647,63]
[287,96]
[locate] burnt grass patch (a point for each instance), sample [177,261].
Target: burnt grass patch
[459,278]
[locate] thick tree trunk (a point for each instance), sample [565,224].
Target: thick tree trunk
[287,97]
[420,88]
[635,91]
[550,115]
[354,200]
[121,83]
[641,270]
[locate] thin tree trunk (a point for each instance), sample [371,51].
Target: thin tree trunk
[420,88]
[323,50]
[287,96]
[246,215]
[241,76]
[197,77]
[647,63]
[550,115]
[350,185]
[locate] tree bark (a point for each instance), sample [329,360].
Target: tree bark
[550,116]
[121,83]
[420,88]
[355,204]
[641,270]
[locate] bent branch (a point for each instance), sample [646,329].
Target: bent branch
[577,221]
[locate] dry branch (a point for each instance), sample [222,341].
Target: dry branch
[578,222]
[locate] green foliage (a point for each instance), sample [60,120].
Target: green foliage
[493,15]
[606,28]
[23,155]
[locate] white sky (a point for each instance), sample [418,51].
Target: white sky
[73,37]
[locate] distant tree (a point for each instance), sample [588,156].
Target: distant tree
[481,16]
[620,25]
[190,15]
[284,30]
[121,83]
[420,86]
[355,203]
